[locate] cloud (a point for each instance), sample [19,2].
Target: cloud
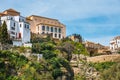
[93,19]
[65,9]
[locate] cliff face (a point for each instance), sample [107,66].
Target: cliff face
[91,68]
[83,70]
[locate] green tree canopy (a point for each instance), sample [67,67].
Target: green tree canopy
[4,36]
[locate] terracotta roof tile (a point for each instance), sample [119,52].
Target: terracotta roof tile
[11,10]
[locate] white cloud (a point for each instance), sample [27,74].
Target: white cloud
[78,10]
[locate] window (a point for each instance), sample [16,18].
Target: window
[27,26]
[43,28]
[19,35]
[11,18]
[59,35]
[23,20]
[47,28]
[51,34]
[13,37]
[55,29]
[14,24]
[12,32]
[19,19]
[51,29]
[55,35]
[43,33]
[20,25]
[12,28]
[59,30]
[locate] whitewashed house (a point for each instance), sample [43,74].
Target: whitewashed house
[115,44]
[17,26]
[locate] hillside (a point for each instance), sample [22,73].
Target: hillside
[61,60]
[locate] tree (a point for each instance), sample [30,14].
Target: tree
[4,34]
[0,39]
[79,37]
[68,48]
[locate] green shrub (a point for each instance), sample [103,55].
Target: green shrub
[102,66]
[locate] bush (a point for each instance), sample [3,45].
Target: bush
[102,66]
[112,73]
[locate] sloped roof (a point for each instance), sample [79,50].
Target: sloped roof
[1,14]
[117,37]
[42,17]
[12,10]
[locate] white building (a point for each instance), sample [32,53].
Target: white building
[17,26]
[115,44]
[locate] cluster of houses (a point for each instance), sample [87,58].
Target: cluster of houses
[20,28]
[115,44]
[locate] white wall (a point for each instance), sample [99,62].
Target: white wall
[13,26]
[17,43]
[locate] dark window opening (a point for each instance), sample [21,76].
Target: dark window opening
[59,35]
[55,35]
[20,25]
[43,33]
[12,28]
[43,28]
[12,32]
[25,25]
[14,24]
[11,18]
[59,30]
[51,29]
[55,29]
[19,35]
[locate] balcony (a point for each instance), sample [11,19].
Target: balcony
[13,33]
[12,28]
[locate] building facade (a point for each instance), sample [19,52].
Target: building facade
[115,44]
[93,45]
[96,48]
[43,25]
[18,27]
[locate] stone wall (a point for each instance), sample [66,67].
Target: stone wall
[104,58]
[5,46]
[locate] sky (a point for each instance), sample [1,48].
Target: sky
[94,20]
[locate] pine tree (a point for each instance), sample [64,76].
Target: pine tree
[0,33]
[4,34]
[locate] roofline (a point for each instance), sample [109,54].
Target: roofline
[11,11]
[43,17]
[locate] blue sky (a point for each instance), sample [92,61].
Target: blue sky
[95,20]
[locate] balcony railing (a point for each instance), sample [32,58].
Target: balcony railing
[12,28]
